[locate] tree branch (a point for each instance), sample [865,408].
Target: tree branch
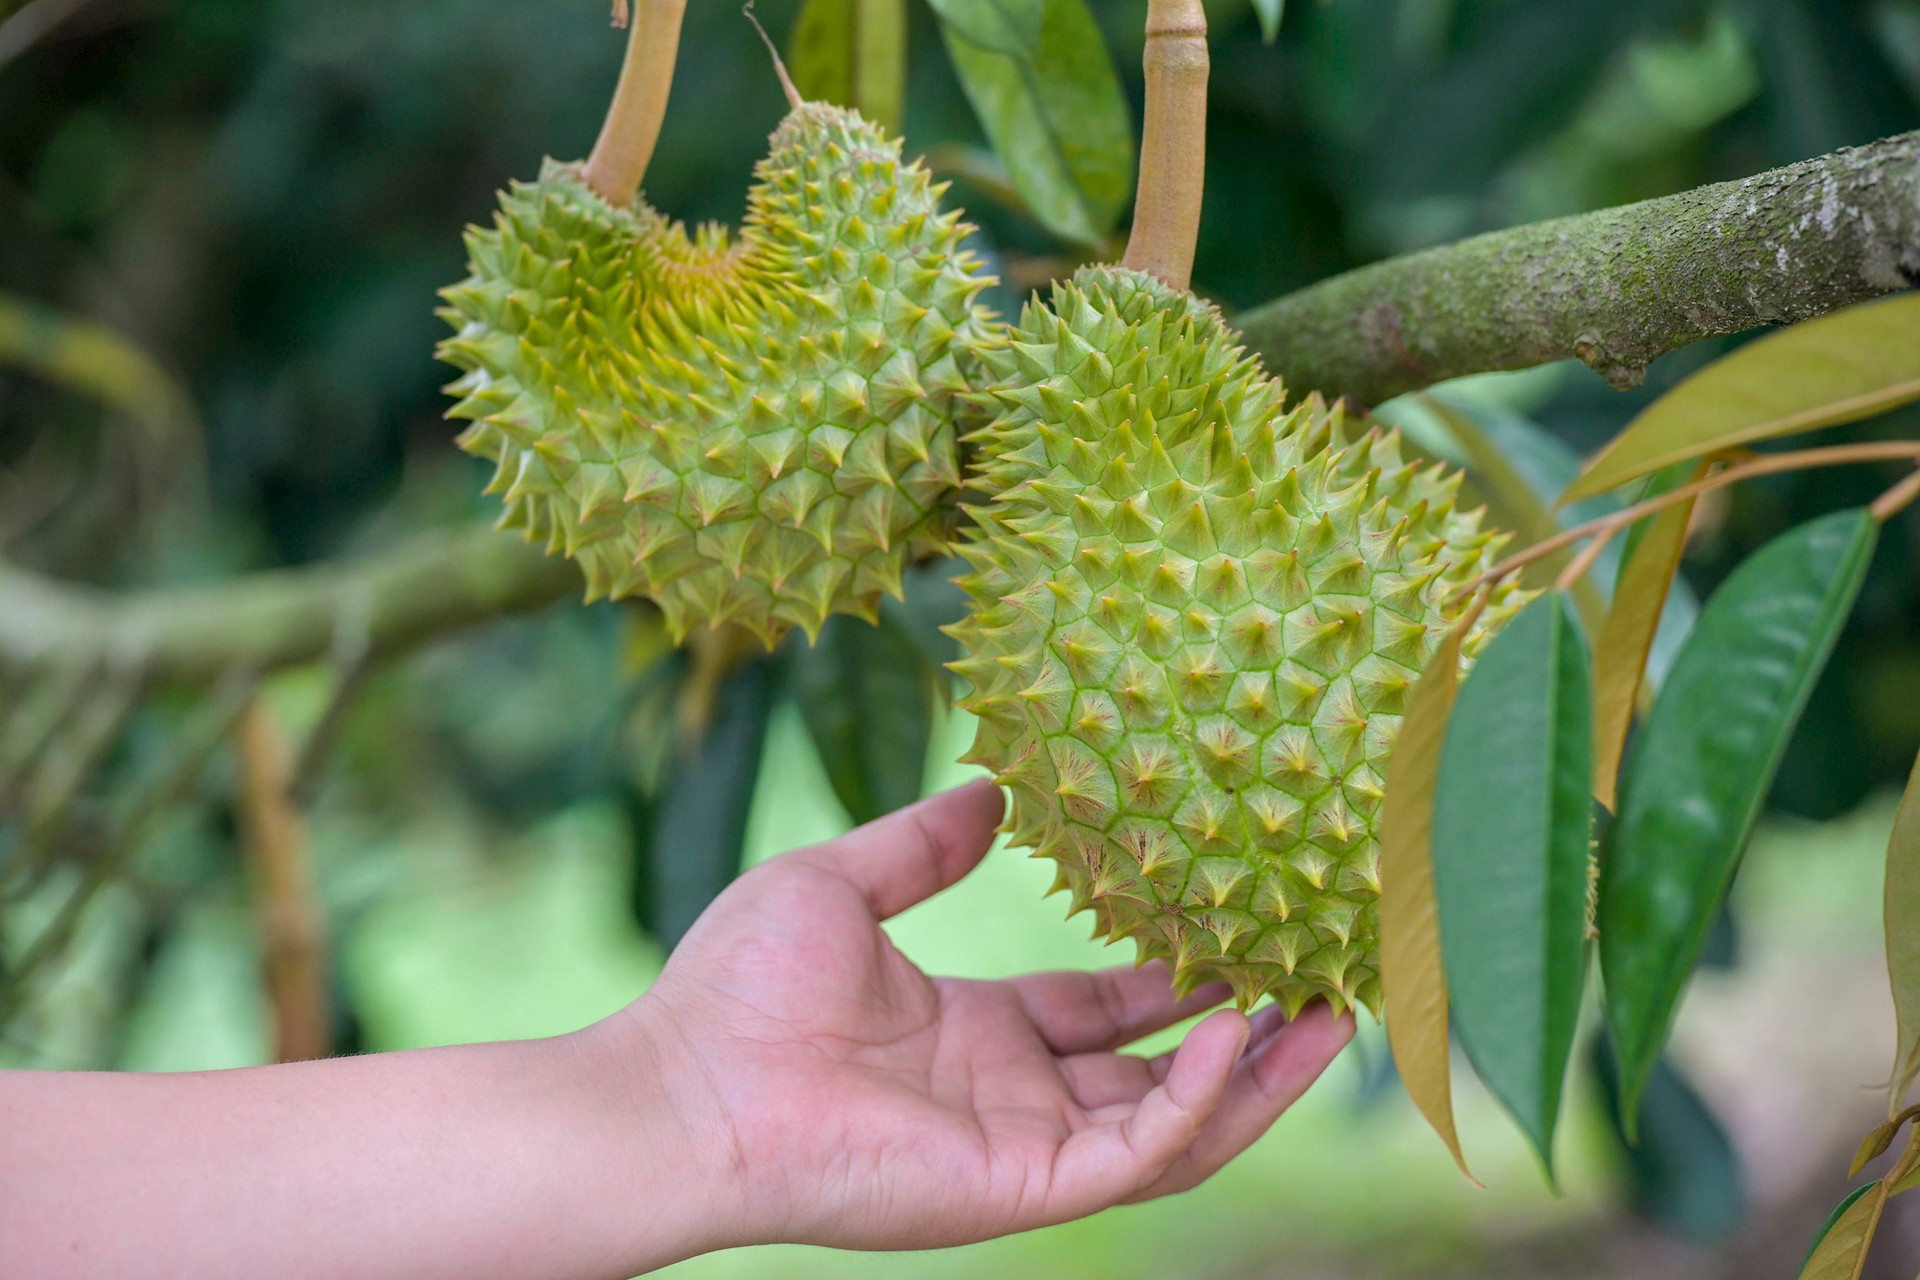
[1614,288]
[376,605]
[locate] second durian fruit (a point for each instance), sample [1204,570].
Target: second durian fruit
[758,432]
[1197,618]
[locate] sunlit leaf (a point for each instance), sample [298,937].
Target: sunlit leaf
[1842,1243]
[1058,121]
[866,695]
[1878,1139]
[1838,368]
[1700,771]
[853,53]
[1270,13]
[1626,638]
[1412,977]
[1903,936]
[1004,26]
[1511,820]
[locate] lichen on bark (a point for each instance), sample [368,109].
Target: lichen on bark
[1615,288]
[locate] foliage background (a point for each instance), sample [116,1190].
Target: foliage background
[265,196]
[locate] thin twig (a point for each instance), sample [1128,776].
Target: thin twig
[1769,464]
[1894,500]
[1577,567]
[292,924]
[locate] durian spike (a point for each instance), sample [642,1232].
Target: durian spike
[625,146]
[1173,143]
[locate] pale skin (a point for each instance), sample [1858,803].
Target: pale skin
[790,1077]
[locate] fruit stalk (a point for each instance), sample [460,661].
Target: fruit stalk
[625,145]
[1173,143]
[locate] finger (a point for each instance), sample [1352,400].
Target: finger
[1104,1164]
[1100,1080]
[1083,1012]
[1281,1062]
[914,853]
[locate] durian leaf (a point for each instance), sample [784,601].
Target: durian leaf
[866,694]
[1836,369]
[1058,121]
[1412,976]
[1005,26]
[1843,1238]
[1626,638]
[1270,13]
[1840,1250]
[1511,820]
[852,53]
[1686,1176]
[692,831]
[1700,770]
[1903,937]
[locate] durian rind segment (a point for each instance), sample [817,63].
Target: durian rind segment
[758,431]
[1197,617]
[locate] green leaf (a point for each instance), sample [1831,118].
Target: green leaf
[1412,977]
[1004,26]
[852,53]
[1686,1175]
[1510,853]
[97,362]
[692,831]
[1843,1238]
[1903,937]
[866,695]
[1700,771]
[1058,121]
[1270,12]
[1836,369]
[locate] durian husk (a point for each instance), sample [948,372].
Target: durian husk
[1197,615]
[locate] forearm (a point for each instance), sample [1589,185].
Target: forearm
[529,1159]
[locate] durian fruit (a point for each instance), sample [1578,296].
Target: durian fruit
[1196,619]
[757,431]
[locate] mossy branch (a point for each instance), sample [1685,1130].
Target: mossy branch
[374,607]
[1615,288]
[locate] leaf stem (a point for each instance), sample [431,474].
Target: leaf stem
[625,146]
[1768,464]
[1896,499]
[1173,143]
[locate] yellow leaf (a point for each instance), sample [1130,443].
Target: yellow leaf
[1626,637]
[1413,978]
[1841,1253]
[1903,937]
[1839,368]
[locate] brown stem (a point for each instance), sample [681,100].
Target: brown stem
[292,928]
[625,146]
[1173,143]
[1769,464]
[1577,568]
[1895,500]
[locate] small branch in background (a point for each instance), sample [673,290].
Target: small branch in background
[304,780]
[714,651]
[292,923]
[625,146]
[1173,143]
[190,636]
[1895,500]
[1615,288]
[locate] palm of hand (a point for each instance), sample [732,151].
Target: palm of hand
[862,1103]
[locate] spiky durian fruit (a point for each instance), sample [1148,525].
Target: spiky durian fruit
[1197,617]
[758,432]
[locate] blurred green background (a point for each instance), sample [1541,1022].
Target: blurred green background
[264,198]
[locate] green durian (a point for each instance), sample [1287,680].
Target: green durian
[757,431]
[1197,616]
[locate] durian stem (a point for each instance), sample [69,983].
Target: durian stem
[1764,465]
[1173,143]
[625,146]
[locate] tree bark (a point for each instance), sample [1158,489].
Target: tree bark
[1614,288]
[369,608]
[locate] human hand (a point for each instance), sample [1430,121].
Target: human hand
[832,1093]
